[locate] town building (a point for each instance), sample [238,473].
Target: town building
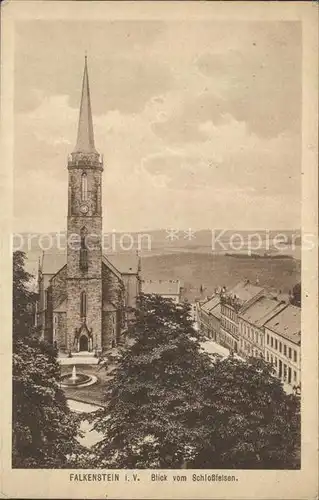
[251,323]
[233,303]
[209,313]
[283,345]
[86,298]
[168,289]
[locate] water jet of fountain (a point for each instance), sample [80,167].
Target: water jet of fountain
[74,375]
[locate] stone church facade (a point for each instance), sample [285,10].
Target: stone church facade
[86,299]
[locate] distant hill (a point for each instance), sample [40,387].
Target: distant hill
[213,271]
[204,240]
[193,261]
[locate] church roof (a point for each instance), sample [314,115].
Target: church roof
[61,307]
[52,262]
[85,137]
[125,263]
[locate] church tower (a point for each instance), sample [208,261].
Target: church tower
[84,233]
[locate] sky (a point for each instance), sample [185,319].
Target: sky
[198,122]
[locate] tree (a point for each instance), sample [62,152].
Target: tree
[23,298]
[44,429]
[154,395]
[251,423]
[171,405]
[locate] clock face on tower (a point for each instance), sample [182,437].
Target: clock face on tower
[84,209]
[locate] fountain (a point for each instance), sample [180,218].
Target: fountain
[77,379]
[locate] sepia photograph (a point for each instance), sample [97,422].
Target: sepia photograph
[158,248]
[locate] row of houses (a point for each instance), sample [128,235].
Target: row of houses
[253,322]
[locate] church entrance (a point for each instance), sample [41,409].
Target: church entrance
[84,343]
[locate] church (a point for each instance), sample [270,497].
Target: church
[86,298]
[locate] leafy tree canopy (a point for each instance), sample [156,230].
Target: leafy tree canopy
[170,405]
[44,429]
[23,298]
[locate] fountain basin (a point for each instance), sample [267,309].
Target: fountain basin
[81,380]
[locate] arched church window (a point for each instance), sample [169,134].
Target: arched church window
[83,305]
[83,250]
[84,187]
[83,234]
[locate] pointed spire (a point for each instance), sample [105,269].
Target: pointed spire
[85,139]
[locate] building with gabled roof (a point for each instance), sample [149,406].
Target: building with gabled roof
[251,323]
[283,344]
[209,313]
[86,298]
[233,302]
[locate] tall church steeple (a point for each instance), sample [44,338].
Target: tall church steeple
[84,258]
[85,137]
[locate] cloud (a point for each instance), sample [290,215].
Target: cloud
[264,80]
[198,121]
[118,65]
[231,158]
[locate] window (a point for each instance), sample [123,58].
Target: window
[267,356]
[83,234]
[84,187]
[83,305]
[83,250]
[271,359]
[276,344]
[289,353]
[267,339]
[285,350]
[295,376]
[295,356]
[271,342]
[280,346]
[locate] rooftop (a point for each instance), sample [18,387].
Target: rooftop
[262,310]
[245,291]
[216,311]
[287,323]
[52,262]
[125,263]
[210,303]
[161,287]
